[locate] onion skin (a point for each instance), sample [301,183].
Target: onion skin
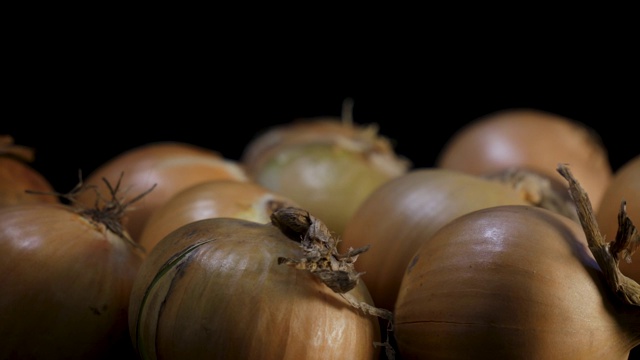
[530,139]
[216,198]
[624,186]
[171,166]
[228,298]
[65,286]
[510,282]
[405,212]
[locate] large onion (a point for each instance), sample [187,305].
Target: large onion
[169,166]
[405,212]
[17,176]
[625,186]
[216,198]
[530,139]
[510,282]
[214,289]
[327,165]
[66,279]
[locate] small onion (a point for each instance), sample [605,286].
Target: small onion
[66,280]
[405,212]
[169,166]
[531,139]
[215,198]
[214,289]
[17,176]
[327,165]
[511,282]
[625,186]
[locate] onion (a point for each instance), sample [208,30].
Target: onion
[17,177]
[515,282]
[215,198]
[217,288]
[625,186]
[405,212]
[327,165]
[531,139]
[67,278]
[169,166]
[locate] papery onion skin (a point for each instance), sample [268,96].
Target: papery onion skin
[65,285]
[216,198]
[405,212]
[510,282]
[170,166]
[531,139]
[625,186]
[229,299]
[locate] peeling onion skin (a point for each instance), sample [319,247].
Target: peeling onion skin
[624,186]
[229,299]
[510,282]
[216,198]
[531,139]
[65,285]
[171,166]
[405,212]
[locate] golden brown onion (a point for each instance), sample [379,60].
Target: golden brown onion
[17,176]
[214,289]
[216,198]
[405,212]
[65,286]
[625,186]
[531,139]
[510,282]
[170,166]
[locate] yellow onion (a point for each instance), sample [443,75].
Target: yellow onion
[215,289]
[17,177]
[520,282]
[169,166]
[327,165]
[66,278]
[625,186]
[216,198]
[532,139]
[405,212]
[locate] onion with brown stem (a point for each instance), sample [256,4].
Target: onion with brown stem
[520,282]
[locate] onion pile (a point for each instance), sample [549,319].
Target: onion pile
[515,282]
[67,278]
[220,288]
[162,169]
[533,140]
[327,165]
[17,177]
[215,198]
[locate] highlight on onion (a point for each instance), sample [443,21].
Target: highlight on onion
[531,139]
[230,288]
[216,198]
[624,188]
[405,212]
[513,281]
[327,165]
[17,176]
[67,277]
[166,168]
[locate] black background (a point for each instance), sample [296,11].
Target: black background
[81,95]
